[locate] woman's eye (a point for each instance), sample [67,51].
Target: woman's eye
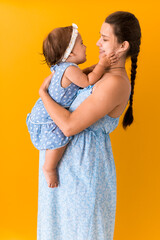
[105,40]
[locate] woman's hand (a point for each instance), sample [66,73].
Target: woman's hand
[45,84]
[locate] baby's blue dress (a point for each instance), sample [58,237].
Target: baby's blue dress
[83,206]
[44,133]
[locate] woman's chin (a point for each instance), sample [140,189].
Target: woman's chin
[101,54]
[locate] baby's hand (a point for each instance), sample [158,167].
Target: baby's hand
[108,60]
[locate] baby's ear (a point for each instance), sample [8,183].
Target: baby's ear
[71,54]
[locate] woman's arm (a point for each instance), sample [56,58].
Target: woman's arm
[103,100]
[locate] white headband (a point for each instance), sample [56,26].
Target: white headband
[71,43]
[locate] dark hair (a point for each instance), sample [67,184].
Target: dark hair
[55,44]
[126,28]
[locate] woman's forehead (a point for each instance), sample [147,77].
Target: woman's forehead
[106,29]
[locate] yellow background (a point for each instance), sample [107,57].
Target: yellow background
[23,26]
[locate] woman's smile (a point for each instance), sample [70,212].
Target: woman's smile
[101,52]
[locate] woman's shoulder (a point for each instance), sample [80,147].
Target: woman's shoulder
[108,80]
[112,84]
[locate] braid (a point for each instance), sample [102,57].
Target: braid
[126,28]
[128,118]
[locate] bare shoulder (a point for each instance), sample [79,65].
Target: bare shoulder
[113,89]
[111,83]
[72,69]
[66,79]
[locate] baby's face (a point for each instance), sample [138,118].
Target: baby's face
[108,41]
[79,50]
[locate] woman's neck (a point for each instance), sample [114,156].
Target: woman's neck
[119,66]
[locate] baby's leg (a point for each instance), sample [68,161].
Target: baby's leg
[52,158]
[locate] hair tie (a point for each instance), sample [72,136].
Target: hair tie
[71,43]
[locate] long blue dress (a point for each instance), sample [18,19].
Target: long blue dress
[83,206]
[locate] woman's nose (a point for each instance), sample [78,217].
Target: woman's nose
[98,43]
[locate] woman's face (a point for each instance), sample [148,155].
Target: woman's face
[108,41]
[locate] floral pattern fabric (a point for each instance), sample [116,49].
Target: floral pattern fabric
[83,206]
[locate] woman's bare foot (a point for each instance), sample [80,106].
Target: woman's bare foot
[51,177]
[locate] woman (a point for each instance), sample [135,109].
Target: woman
[83,206]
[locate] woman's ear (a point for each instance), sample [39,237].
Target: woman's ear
[123,47]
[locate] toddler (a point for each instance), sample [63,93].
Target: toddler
[63,50]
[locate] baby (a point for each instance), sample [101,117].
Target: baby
[63,50]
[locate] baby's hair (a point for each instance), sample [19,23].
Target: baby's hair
[55,44]
[126,28]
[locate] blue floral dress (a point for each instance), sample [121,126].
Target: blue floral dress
[83,206]
[44,133]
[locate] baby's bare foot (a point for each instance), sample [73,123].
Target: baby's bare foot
[51,177]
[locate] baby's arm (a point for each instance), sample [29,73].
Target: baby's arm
[88,69]
[78,77]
